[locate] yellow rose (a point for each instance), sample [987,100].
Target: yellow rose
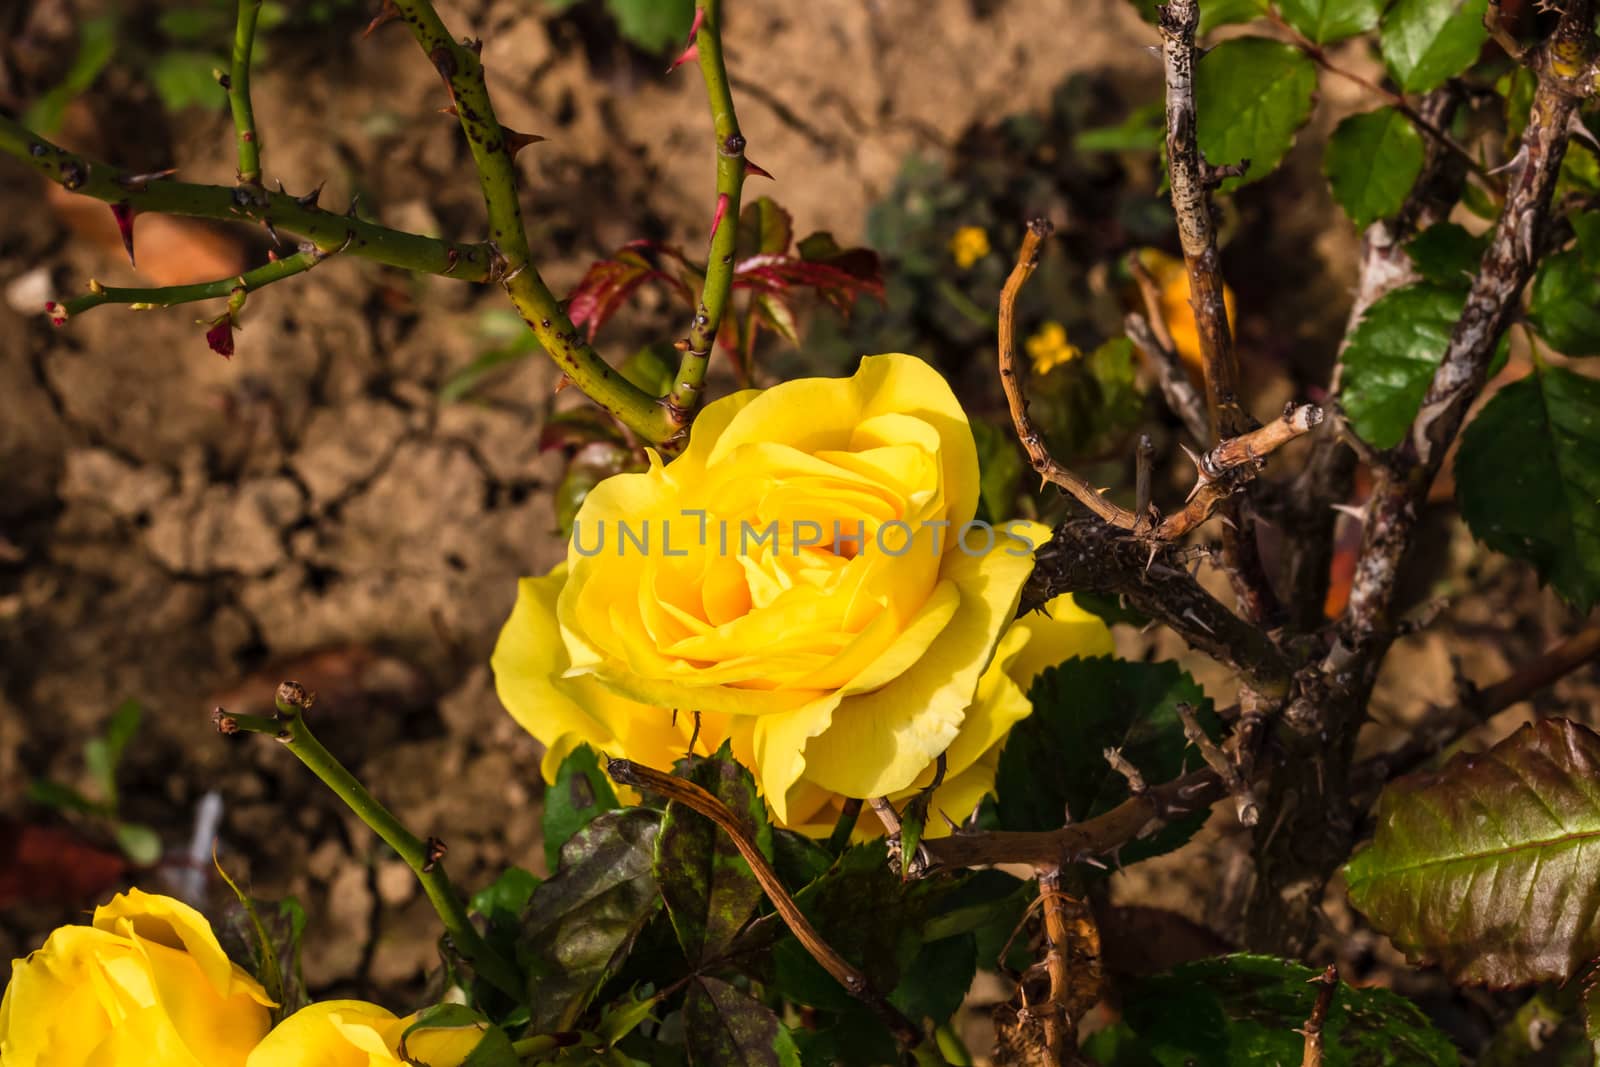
[808,566]
[147,985]
[353,1033]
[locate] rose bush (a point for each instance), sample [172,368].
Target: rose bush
[805,577]
[145,985]
[353,1033]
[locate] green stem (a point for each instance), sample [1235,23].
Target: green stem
[330,232]
[244,119]
[291,729]
[462,72]
[167,296]
[686,389]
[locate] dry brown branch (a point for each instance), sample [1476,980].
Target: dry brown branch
[1327,983]
[696,799]
[1149,331]
[1060,1028]
[1244,797]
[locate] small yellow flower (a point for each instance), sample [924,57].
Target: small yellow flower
[968,245]
[1049,348]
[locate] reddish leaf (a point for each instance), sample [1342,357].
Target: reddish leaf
[40,865]
[220,337]
[608,283]
[764,229]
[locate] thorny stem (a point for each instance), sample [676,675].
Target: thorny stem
[329,231]
[842,970]
[290,728]
[1327,984]
[167,296]
[244,119]
[492,148]
[1060,1028]
[686,389]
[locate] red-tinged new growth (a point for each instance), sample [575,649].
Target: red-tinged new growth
[716,218]
[123,212]
[220,336]
[691,51]
[56,311]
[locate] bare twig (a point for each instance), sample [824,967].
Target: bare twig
[845,973]
[1123,766]
[1134,818]
[1060,1028]
[1182,398]
[1327,983]
[1244,797]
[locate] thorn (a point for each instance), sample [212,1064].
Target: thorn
[355,202]
[1576,128]
[516,142]
[562,384]
[386,14]
[473,45]
[136,182]
[691,50]
[1358,514]
[449,110]
[682,345]
[310,199]
[716,218]
[1516,161]
[751,167]
[123,212]
[275,238]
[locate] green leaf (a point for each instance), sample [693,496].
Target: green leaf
[621,1017]
[468,378]
[999,470]
[653,25]
[938,979]
[1214,13]
[139,843]
[1325,21]
[799,860]
[1372,162]
[1565,304]
[502,901]
[1488,865]
[581,793]
[97,42]
[582,922]
[1245,1011]
[184,79]
[61,797]
[1586,224]
[1054,761]
[101,755]
[1391,358]
[1251,95]
[1528,479]
[1426,42]
[725,1027]
[1142,131]
[652,368]
[1447,255]
[708,888]
[765,228]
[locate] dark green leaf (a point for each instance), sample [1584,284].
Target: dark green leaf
[765,228]
[708,888]
[725,1027]
[1426,42]
[97,41]
[1391,358]
[1447,255]
[1586,224]
[1565,304]
[1244,1011]
[622,1017]
[1528,478]
[938,979]
[501,901]
[581,793]
[1251,95]
[999,470]
[653,25]
[1372,161]
[582,921]
[800,860]
[1054,761]
[1325,21]
[61,797]
[1487,866]
[1214,13]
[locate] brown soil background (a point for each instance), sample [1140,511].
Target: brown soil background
[187,531]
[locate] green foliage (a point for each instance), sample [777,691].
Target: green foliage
[1246,1011]
[1446,254]
[1142,131]
[97,43]
[1326,21]
[1565,304]
[102,755]
[1000,468]
[1391,358]
[725,1025]
[1426,42]
[708,888]
[581,793]
[1488,866]
[1090,405]
[1586,224]
[1216,13]
[582,921]
[653,25]
[1372,162]
[1054,764]
[184,79]
[1251,95]
[1528,478]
